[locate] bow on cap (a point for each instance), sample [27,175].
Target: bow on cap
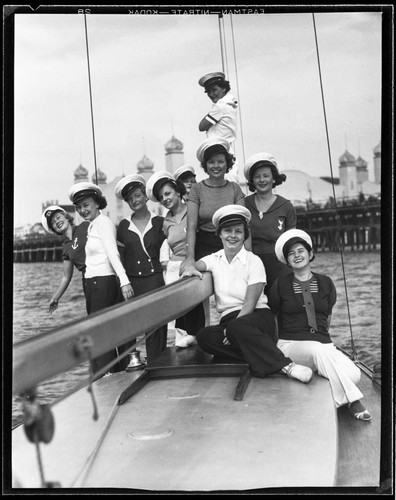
[47,216]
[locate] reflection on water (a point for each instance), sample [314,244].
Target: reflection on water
[35,283]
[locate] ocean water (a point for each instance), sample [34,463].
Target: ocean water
[35,283]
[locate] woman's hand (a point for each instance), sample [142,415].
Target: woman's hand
[191,270]
[187,264]
[53,306]
[127,291]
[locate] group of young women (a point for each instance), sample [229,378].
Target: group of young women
[275,312]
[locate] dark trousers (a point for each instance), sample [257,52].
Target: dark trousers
[192,321]
[252,340]
[156,342]
[102,292]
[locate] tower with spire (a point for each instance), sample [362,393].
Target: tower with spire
[80,174]
[348,174]
[145,167]
[174,155]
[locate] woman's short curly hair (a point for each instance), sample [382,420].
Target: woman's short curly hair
[278,178]
[230,160]
[100,200]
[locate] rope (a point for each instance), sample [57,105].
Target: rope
[237,83]
[90,96]
[88,463]
[354,353]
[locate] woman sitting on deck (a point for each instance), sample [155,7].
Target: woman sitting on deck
[303,302]
[247,327]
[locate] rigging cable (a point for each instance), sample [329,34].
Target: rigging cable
[337,217]
[90,96]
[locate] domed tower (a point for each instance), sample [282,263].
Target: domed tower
[174,156]
[145,167]
[102,177]
[80,174]
[361,170]
[348,174]
[377,163]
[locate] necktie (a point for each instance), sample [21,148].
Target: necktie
[309,305]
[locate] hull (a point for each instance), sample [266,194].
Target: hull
[166,429]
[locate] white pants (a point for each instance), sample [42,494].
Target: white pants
[330,363]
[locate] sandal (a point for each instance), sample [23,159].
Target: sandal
[359,412]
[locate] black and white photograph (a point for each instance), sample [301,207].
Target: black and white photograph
[198,249]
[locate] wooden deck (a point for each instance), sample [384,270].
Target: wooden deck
[189,433]
[360,442]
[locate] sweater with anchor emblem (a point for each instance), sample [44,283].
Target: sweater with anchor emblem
[266,227]
[74,249]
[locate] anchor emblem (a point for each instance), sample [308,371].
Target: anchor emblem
[280,227]
[75,244]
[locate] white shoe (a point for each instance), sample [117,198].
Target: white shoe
[299,372]
[183,339]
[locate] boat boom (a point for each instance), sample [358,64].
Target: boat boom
[59,350]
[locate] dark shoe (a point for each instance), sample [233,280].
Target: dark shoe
[358,411]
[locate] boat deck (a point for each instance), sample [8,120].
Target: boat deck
[189,424]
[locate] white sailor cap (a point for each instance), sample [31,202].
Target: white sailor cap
[254,161]
[212,146]
[83,190]
[184,169]
[230,214]
[47,216]
[125,185]
[211,78]
[156,181]
[287,239]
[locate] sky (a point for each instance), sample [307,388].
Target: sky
[144,80]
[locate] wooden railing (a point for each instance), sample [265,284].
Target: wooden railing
[46,355]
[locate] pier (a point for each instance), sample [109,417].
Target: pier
[37,249]
[353,227]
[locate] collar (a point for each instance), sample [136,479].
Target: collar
[242,255]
